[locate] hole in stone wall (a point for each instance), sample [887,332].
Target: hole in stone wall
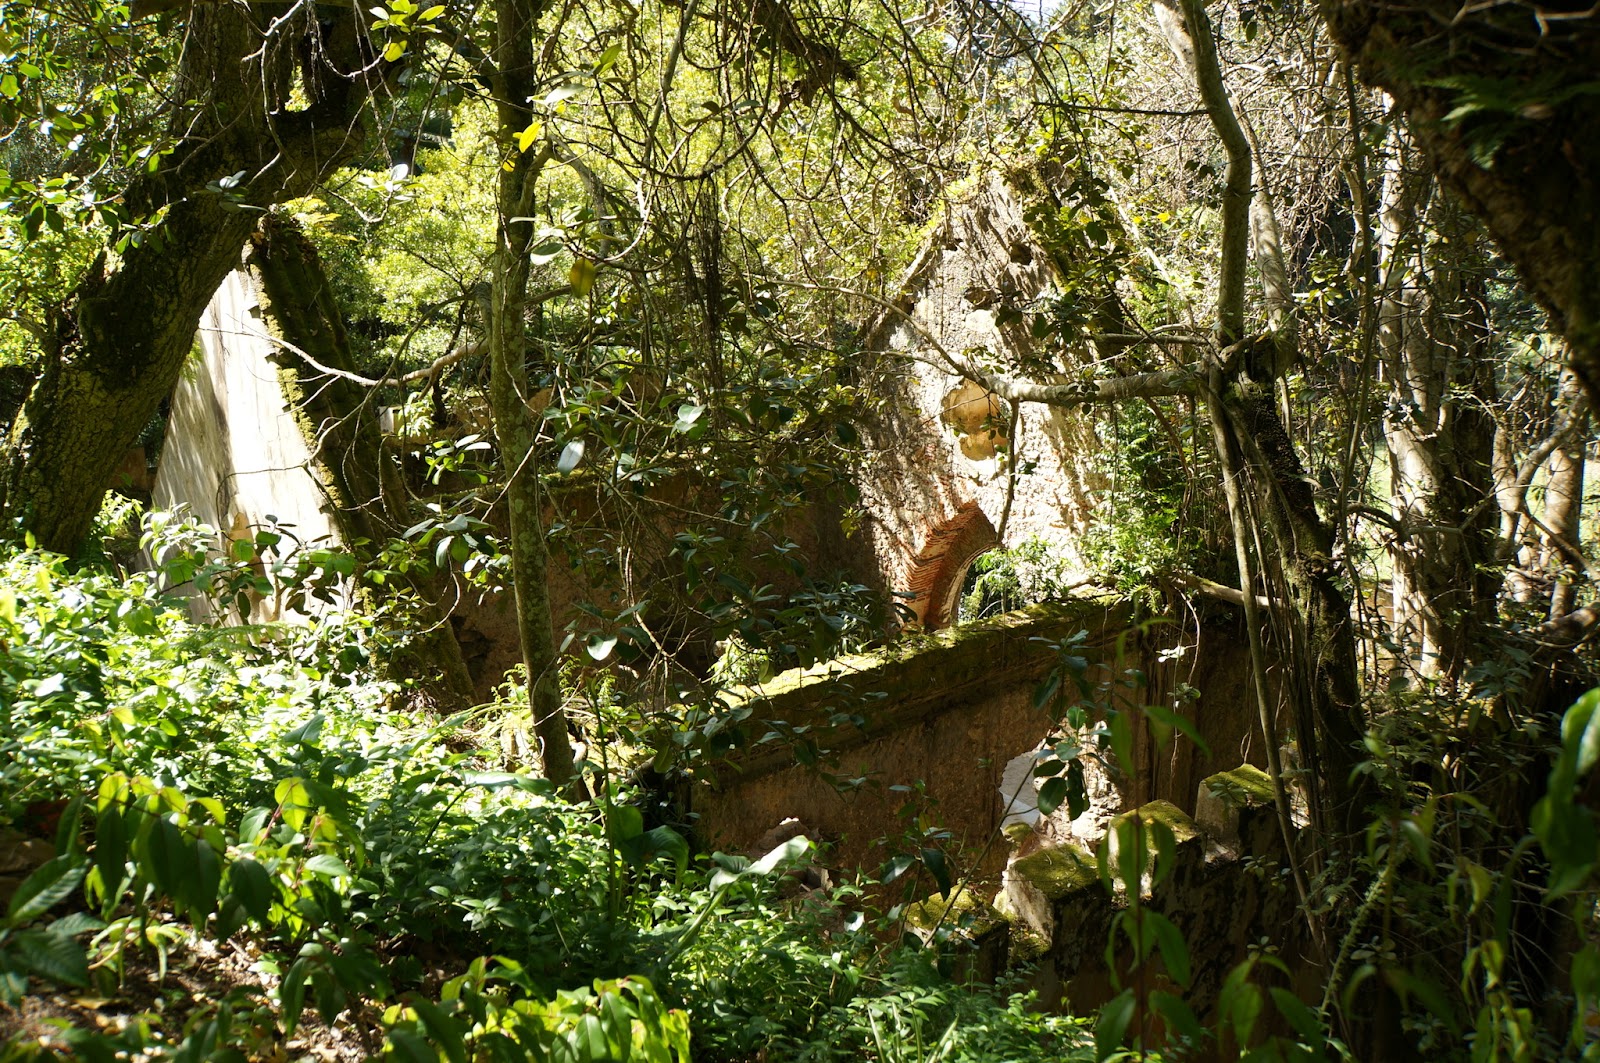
[979,418]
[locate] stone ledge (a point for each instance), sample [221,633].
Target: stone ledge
[850,700]
[1226,798]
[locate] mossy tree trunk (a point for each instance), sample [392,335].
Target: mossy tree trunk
[515,82]
[370,503]
[1503,99]
[130,323]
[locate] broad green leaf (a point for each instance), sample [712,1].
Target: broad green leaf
[1052,792]
[1112,1027]
[207,881]
[292,996]
[75,924]
[411,1046]
[1077,792]
[939,867]
[1046,691]
[111,846]
[49,885]
[53,956]
[328,865]
[1179,1017]
[897,866]
[666,840]
[792,849]
[607,58]
[445,1029]
[689,415]
[624,822]
[1580,732]
[1166,720]
[1174,950]
[581,276]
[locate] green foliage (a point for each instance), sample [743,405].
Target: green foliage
[1002,580]
[1141,529]
[357,840]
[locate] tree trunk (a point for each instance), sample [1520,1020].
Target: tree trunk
[1325,683]
[515,427]
[1433,340]
[1563,507]
[365,485]
[131,323]
[1499,96]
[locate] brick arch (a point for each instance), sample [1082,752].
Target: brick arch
[939,567]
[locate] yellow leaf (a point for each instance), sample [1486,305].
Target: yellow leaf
[526,138]
[432,13]
[395,50]
[581,276]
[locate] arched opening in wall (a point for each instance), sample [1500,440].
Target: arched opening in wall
[983,591]
[943,561]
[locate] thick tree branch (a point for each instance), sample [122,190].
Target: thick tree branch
[1188,33]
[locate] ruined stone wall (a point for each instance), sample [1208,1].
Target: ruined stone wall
[933,720]
[234,454]
[1222,888]
[942,447]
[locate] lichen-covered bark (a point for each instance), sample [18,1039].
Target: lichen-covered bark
[364,481]
[1433,339]
[515,428]
[1503,97]
[132,318]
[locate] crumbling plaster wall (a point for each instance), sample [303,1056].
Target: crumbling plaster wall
[235,455]
[919,478]
[1051,923]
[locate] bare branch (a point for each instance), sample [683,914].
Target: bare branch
[1188,33]
[426,372]
[1212,589]
[1161,384]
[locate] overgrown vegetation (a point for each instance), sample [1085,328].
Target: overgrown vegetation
[376,877]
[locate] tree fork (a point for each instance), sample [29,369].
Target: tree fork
[130,324]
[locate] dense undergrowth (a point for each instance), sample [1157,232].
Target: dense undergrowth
[380,885]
